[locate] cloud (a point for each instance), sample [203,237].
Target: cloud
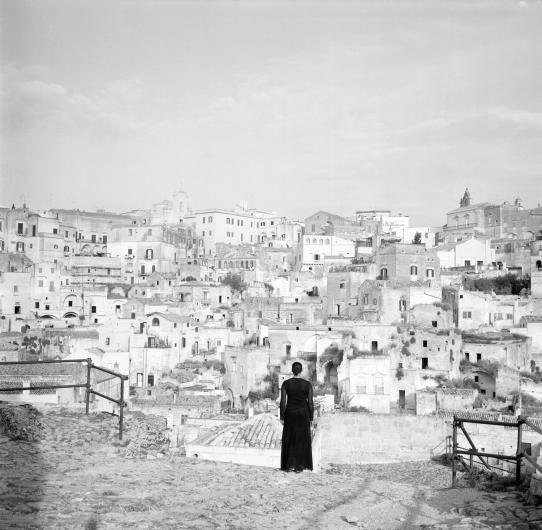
[42,106]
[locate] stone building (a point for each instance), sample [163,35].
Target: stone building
[404,262]
[343,286]
[472,253]
[317,248]
[508,349]
[144,249]
[495,221]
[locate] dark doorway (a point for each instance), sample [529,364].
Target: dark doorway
[402,399]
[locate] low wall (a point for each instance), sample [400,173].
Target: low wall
[357,438]
[249,456]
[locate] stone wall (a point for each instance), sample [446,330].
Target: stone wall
[356,438]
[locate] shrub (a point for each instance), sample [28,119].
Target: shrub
[359,409]
[235,282]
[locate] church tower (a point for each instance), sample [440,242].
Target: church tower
[465,201]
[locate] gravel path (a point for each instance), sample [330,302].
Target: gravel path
[77,477]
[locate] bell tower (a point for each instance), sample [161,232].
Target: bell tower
[465,201]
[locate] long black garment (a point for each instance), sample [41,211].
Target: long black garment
[296,410]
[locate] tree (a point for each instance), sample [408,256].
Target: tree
[417,238]
[235,282]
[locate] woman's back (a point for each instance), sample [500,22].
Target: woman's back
[297,392]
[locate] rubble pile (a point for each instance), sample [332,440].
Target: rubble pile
[148,436]
[21,422]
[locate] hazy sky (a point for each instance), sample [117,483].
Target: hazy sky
[294,106]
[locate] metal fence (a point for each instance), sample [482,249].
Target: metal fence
[458,453]
[33,388]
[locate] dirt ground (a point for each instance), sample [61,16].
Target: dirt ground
[77,477]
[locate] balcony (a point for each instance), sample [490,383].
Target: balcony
[447,228]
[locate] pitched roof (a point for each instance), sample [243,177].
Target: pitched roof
[262,430]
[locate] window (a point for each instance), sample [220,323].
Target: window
[70,303]
[149,253]
[467,314]
[430,273]
[361,387]
[15,288]
[47,307]
[379,384]
[129,252]
[476,379]
[107,341]
[384,273]
[425,363]
[374,345]
[288,349]
[413,270]
[93,238]
[19,246]
[183,342]
[365,299]
[467,355]
[150,380]
[104,239]
[434,323]
[93,309]
[55,230]
[155,321]
[342,285]
[37,305]
[424,344]
[478,356]
[17,309]
[20,228]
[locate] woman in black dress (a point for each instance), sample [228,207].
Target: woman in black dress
[296,412]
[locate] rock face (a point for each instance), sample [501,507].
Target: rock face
[535,490]
[148,436]
[21,422]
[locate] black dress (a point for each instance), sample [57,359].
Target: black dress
[296,410]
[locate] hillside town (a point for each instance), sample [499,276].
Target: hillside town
[205,311]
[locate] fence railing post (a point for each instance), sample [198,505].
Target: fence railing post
[454,455]
[87,397]
[121,404]
[519,452]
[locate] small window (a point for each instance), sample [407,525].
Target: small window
[424,344]
[478,356]
[476,379]
[37,305]
[93,309]
[434,323]
[425,363]
[70,303]
[107,341]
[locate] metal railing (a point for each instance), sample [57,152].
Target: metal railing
[473,452]
[87,385]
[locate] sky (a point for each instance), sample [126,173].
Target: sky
[292,106]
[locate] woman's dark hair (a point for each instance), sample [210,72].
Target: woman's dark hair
[297,368]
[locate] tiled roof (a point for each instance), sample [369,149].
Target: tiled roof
[262,430]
